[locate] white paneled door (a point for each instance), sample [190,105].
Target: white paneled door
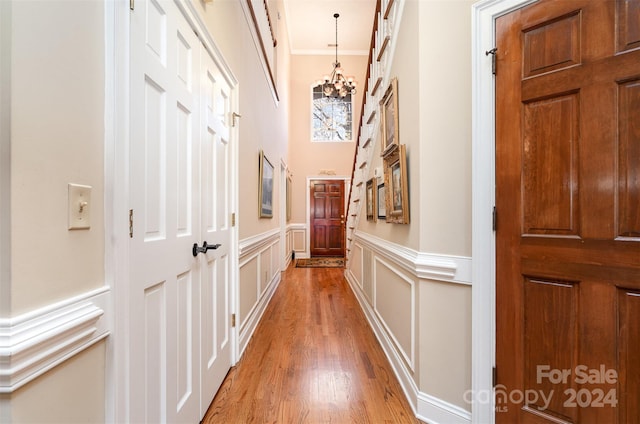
[216,228]
[179,344]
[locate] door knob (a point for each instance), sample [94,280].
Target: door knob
[195,250]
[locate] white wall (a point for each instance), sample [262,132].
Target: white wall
[306,157]
[53,133]
[57,137]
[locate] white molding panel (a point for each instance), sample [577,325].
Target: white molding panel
[409,266]
[453,269]
[395,358]
[299,248]
[254,248]
[408,357]
[35,342]
[249,246]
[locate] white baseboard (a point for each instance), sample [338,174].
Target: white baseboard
[35,342]
[436,411]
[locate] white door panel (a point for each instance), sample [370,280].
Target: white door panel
[216,354]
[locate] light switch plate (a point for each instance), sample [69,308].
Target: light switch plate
[79,207]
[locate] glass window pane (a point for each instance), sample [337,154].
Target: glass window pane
[332,117]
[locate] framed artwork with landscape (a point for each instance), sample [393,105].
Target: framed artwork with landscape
[389,122]
[371,199]
[265,189]
[289,184]
[397,186]
[382,212]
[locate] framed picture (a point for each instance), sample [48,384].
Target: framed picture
[289,183]
[390,127]
[371,200]
[397,186]
[265,190]
[381,203]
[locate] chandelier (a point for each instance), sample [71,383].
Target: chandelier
[336,84]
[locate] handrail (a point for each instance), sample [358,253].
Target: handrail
[366,88]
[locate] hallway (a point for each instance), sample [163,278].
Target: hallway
[313,359]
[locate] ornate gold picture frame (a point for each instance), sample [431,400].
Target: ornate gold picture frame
[389,121]
[371,199]
[397,186]
[265,190]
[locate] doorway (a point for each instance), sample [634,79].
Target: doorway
[567,202]
[326,218]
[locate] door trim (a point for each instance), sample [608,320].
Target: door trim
[347,186]
[483,299]
[117,185]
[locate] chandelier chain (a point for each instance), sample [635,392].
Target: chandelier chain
[337,85]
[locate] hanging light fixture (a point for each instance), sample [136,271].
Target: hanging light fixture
[336,84]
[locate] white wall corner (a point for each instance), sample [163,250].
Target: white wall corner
[35,342]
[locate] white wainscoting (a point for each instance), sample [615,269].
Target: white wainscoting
[408,268]
[295,238]
[35,342]
[265,250]
[299,237]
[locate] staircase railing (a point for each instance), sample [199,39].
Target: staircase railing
[385,29]
[364,97]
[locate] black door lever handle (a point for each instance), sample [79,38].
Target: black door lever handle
[195,250]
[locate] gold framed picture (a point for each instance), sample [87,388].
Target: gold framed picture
[371,199]
[389,119]
[397,186]
[289,187]
[382,207]
[265,189]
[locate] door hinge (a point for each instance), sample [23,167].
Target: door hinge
[130,223]
[233,320]
[132,4]
[234,115]
[495,219]
[233,219]
[494,377]
[494,59]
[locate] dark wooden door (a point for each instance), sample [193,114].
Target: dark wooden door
[327,218]
[568,213]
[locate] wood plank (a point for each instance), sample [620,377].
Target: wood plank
[313,358]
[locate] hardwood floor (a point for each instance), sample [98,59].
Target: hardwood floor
[312,359]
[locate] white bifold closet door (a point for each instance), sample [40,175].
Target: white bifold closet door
[179,324]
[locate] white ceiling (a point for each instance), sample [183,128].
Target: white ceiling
[312,27]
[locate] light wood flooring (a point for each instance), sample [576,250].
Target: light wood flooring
[312,359]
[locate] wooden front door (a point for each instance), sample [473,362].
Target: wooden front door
[568,212]
[327,218]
